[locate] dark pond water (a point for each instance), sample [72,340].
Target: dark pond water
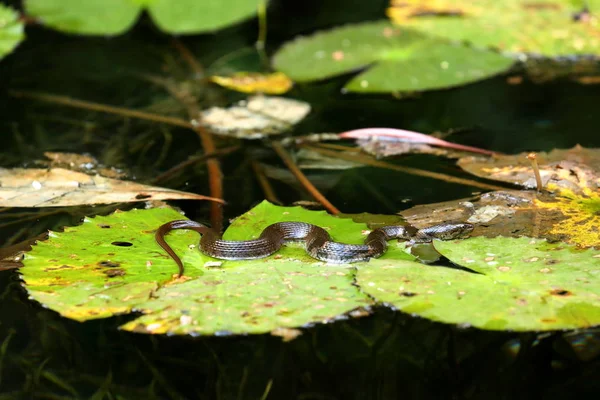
[387,355]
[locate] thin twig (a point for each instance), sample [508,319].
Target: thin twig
[264,183]
[213,166]
[532,157]
[191,161]
[407,170]
[267,390]
[332,146]
[88,105]
[287,159]
[189,58]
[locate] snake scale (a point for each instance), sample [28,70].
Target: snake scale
[318,242]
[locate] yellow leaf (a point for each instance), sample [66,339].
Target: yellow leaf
[251,82]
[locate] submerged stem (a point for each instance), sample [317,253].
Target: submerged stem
[314,192]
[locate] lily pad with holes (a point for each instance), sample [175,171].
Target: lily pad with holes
[519,284]
[114,17]
[11,30]
[111,265]
[395,59]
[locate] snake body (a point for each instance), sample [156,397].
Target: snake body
[318,242]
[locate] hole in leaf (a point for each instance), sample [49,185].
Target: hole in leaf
[143,196]
[122,244]
[560,292]
[104,226]
[408,294]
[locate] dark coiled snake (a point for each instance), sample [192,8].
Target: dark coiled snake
[318,243]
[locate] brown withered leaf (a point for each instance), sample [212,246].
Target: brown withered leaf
[500,213]
[573,169]
[559,216]
[58,187]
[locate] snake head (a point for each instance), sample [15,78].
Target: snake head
[445,231]
[455,231]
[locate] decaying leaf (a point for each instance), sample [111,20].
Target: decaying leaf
[255,118]
[558,216]
[253,82]
[59,187]
[382,149]
[573,169]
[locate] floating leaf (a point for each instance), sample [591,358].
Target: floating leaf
[58,187]
[193,16]
[86,17]
[112,265]
[574,169]
[402,59]
[519,284]
[252,82]
[255,118]
[11,30]
[549,28]
[113,17]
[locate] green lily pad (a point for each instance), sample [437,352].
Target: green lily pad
[113,17]
[86,17]
[193,16]
[11,30]
[518,26]
[519,284]
[111,265]
[396,59]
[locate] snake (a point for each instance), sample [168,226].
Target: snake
[318,242]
